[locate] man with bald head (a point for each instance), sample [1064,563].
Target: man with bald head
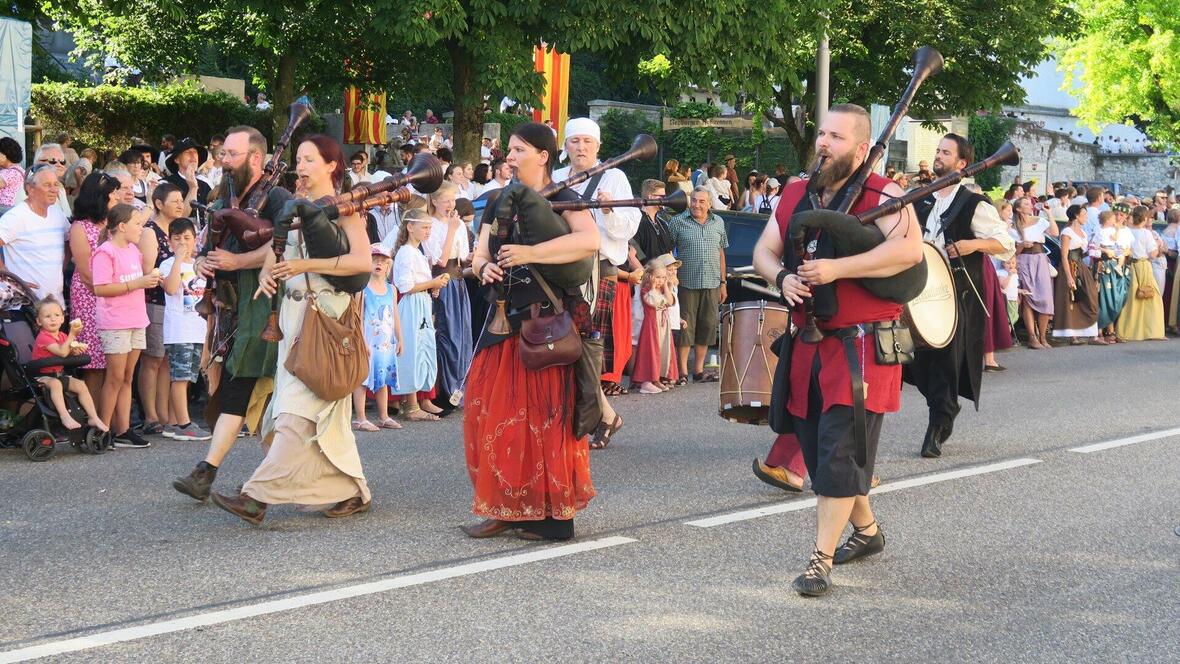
[832,395]
[33,235]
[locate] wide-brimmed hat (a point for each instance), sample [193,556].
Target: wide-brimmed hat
[182,145]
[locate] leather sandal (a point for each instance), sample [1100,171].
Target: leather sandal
[816,580]
[486,528]
[604,432]
[860,545]
[354,505]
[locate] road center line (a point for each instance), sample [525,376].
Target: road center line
[797,505]
[1130,440]
[300,601]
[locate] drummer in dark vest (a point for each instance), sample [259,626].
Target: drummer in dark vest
[837,392]
[968,228]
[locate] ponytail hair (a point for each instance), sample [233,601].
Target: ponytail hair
[403,231]
[116,217]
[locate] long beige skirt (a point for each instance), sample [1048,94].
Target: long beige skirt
[296,471]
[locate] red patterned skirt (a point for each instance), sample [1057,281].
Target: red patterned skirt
[523,459]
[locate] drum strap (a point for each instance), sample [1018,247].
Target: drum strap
[848,336]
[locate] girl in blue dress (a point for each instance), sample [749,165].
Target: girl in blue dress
[383,335]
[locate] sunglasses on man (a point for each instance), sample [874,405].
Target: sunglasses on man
[53,161]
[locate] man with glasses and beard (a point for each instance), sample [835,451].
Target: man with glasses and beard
[248,370]
[969,229]
[836,390]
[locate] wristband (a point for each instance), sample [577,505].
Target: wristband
[783,274]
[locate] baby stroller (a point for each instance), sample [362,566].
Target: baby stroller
[31,422]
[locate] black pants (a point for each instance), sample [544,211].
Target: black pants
[235,394]
[935,372]
[829,446]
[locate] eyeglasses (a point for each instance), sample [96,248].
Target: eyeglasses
[52,161]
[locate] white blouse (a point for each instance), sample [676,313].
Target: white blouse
[433,245]
[1144,243]
[410,268]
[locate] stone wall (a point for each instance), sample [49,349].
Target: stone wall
[1051,156]
[599,107]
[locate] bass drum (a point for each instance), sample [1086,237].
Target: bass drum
[747,364]
[932,316]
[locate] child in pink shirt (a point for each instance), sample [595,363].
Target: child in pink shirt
[119,284]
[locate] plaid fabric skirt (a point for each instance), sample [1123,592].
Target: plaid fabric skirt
[603,316]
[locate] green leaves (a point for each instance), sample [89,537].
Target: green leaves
[1124,65]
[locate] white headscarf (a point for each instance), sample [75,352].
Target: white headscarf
[580,127]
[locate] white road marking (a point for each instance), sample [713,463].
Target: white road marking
[300,601]
[797,505]
[1131,440]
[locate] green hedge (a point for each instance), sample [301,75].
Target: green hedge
[106,117]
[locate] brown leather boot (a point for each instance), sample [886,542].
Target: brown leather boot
[242,506]
[197,483]
[348,508]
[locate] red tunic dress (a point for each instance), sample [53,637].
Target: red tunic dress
[857,305]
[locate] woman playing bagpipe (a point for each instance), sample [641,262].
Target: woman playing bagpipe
[313,458]
[529,470]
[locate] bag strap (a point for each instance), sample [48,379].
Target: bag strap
[592,187]
[557,306]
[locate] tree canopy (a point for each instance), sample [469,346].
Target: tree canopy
[1124,66]
[768,55]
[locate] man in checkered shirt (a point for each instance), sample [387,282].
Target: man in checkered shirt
[700,240]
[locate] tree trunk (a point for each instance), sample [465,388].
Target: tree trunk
[804,145]
[468,127]
[283,93]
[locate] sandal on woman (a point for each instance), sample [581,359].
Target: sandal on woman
[364,425]
[1077,341]
[389,423]
[683,380]
[604,432]
[1098,341]
[611,388]
[419,415]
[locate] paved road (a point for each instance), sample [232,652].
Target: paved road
[1010,547]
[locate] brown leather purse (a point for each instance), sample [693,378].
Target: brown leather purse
[330,355]
[548,338]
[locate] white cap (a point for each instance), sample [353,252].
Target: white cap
[580,127]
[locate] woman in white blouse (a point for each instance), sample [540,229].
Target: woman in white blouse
[448,251]
[417,366]
[1143,313]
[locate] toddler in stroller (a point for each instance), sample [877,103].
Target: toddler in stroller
[52,343]
[43,403]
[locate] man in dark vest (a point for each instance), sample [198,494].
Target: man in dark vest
[969,229]
[832,394]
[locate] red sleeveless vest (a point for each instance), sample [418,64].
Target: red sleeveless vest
[857,305]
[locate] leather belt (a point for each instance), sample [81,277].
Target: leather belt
[298,295]
[607,270]
[1037,248]
[452,268]
[848,336]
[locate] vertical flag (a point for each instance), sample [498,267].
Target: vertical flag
[364,118]
[554,102]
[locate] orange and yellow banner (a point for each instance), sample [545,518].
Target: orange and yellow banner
[554,102]
[364,118]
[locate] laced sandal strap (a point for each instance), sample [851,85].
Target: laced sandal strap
[861,529]
[820,565]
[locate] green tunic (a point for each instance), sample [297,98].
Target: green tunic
[251,357]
